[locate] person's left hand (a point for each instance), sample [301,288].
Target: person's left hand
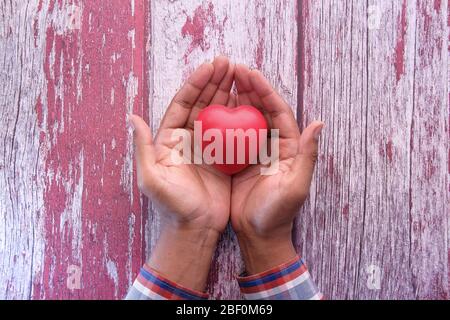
[185,193]
[193,200]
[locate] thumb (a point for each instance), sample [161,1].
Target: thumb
[309,140]
[308,154]
[141,131]
[143,142]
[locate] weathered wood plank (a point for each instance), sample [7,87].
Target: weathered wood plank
[448,130]
[429,199]
[21,207]
[262,34]
[72,71]
[376,223]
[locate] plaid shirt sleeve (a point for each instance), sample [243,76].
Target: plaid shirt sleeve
[151,285]
[289,281]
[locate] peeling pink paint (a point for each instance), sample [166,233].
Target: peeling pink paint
[389,150]
[305,67]
[78,165]
[346,210]
[39,111]
[39,8]
[261,23]
[330,168]
[400,46]
[35,31]
[437,5]
[429,167]
[194,27]
[427,18]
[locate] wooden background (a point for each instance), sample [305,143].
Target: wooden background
[72,222]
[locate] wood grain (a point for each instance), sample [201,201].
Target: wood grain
[71,71]
[376,72]
[379,204]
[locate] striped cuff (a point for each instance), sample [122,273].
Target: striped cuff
[151,285]
[289,281]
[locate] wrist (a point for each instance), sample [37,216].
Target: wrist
[183,254]
[262,253]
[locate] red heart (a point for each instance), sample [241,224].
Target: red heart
[222,118]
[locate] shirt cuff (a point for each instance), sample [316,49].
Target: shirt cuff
[151,285]
[288,281]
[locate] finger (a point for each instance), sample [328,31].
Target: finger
[142,137]
[246,91]
[221,65]
[281,115]
[246,95]
[231,103]
[180,108]
[309,141]
[222,94]
[308,154]
[243,85]
[144,148]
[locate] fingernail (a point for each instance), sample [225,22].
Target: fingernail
[318,131]
[130,123]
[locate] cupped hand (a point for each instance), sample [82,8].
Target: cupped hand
[193,200]
[183,193]
[263,207]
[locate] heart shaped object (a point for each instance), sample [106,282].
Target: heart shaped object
[222,118]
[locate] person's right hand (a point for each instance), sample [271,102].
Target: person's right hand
[193,200]
[263,207]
